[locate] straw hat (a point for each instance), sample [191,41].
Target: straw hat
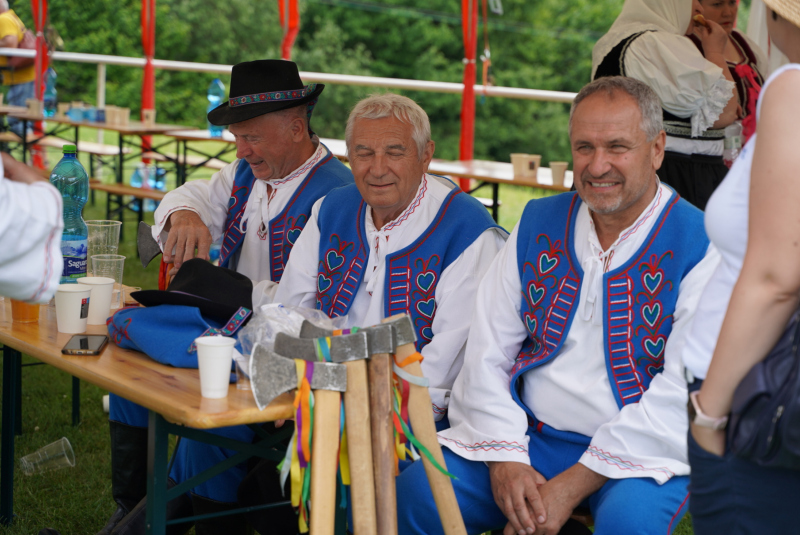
[788,9]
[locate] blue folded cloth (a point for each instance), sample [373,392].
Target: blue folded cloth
[166,333]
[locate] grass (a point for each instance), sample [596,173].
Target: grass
[78,500]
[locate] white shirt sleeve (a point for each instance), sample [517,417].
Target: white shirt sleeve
[648,438]
[31,222]
[207,198]
[455,303]
[687,84]
[298,286]
[486,423]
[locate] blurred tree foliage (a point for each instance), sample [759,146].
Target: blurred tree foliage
[542,44]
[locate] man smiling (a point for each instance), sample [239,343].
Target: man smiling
[572,390]
[398,241]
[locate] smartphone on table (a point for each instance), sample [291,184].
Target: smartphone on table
[85,344]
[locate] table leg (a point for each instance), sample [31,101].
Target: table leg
[18,398]
[25,141]
[495,201]
[157,445]
[76,401]
[11,362]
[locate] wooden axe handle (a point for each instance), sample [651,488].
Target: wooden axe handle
[380,395]
[359,448]
[324,457]
[420,413]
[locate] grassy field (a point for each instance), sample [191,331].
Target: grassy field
[78,501]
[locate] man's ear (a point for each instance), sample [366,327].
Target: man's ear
[298,128]
[657,148]
[427,155]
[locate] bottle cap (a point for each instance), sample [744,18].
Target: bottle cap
[70,149]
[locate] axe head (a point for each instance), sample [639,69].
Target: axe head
[295,348]
[272,375]
[147,245]
[403,327]
[381,339]
[342,348]
[309,330]
[349,347]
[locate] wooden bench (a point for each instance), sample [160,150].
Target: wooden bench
[192,160]
[118,192]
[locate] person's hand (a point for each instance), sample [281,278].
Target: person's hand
[559,498]
[515,487]
[19,172]
[710,440]
[714,39]
[187,232]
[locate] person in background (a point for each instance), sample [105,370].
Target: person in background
[31,222]
[747,62]
[698,96]
[752,220]
[572,389]
[20,81]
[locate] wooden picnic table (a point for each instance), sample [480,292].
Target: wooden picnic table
[171,394]
[186,163]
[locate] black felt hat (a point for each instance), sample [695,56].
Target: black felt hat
[260,87]
[218,292]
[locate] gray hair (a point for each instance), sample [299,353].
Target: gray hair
[391,105]
[646,99]
[3,5]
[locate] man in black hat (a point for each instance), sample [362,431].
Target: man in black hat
[257,205]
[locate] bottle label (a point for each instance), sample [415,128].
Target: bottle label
[74,252]
[733,142]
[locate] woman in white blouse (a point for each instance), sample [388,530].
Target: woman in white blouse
[752,220]
[699,98]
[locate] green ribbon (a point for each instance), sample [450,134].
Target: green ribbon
[420,447]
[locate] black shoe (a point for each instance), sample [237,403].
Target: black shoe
[218,525]
[134,522]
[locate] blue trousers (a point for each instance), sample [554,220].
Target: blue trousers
[17,95]
[192,457]
[636,506]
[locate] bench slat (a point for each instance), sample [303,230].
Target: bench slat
[122,189]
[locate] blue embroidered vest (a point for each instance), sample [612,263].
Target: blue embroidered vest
[412,273]
[639,297]
[329,173]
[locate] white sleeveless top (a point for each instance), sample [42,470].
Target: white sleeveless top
[726,219]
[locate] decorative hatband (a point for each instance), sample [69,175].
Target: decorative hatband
[292,94]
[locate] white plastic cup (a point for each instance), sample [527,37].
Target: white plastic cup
[214,358]
[57,455]
[72,307]
[100,304]
[558,169]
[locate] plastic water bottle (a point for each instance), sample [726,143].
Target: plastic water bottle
[50,92]
[138,179]
[733,142]
[70,178]
[216,94]
[156,179]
